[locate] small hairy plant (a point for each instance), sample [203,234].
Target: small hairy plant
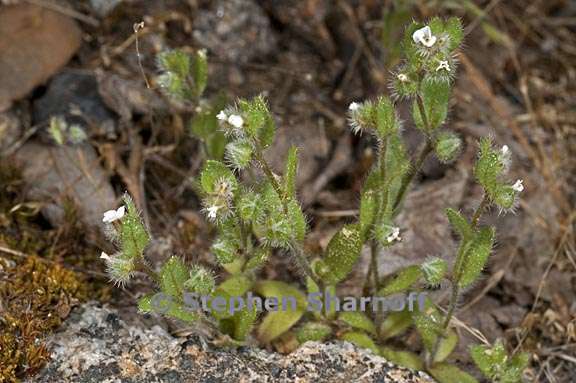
[261,217]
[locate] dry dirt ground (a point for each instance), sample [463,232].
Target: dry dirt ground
[311,58]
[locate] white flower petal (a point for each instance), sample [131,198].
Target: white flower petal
[105,256]
[443,65]
[222,116]
[113,215]
[518,186]
[354,106]
[236,120]
[424,36]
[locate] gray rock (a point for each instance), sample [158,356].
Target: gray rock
[10,130]
[60,174]
[235,30]
[96,346]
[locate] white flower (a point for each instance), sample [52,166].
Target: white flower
[105,256]
[222,116]
[506,156]
[236,120]
[113,215]
[354,106]
[424,36]
[212,210]
[518,186]
[443,65]
[394,235]
[402,77]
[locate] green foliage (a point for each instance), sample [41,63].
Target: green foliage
[275,323]
[401,281]
[434,270]
[63,133]
[173,276]
[290,173]
[447,146]
[459,224]
[341,254]
[395,324]
[360,339]
[435,96]
[358,321]
[490,170]
[476,255]
[200,72]
[496,365]
[182,77]
[256,215]
[133,234]
[447,373]
[403,358]
[200,281]
[313,331]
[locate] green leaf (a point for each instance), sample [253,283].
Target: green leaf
[164,304]
[290,173]
[235,286]
[173,275]
[447,146]
[298,221]
[386,120]
[342,253]
[313,331]
[446,346]
[239,153]
[453,27]
[276,323]
[200,72]
[259,123]
[280,289]
[402,280]
[395,324]
[213,173]
[358,320]
[200,281]
[447,373]
[435,96]
[459,224]
[145,304]
[367,212]
[476,256]
[243,323]
[360,339]
[429,326]
[495,364]
[434,270]
[204,125]
[134,236]
[258,259]
[403,358]
[174,61]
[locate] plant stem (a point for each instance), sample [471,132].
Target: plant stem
[455,295]
[425,150]
[146,269]
[374,250]
[296,247]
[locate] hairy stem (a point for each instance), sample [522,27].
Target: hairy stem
[296,247]
[461,259]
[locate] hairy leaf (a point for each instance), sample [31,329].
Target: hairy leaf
[342,253]
[358,321]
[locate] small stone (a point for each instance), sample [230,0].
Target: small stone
[35,43]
